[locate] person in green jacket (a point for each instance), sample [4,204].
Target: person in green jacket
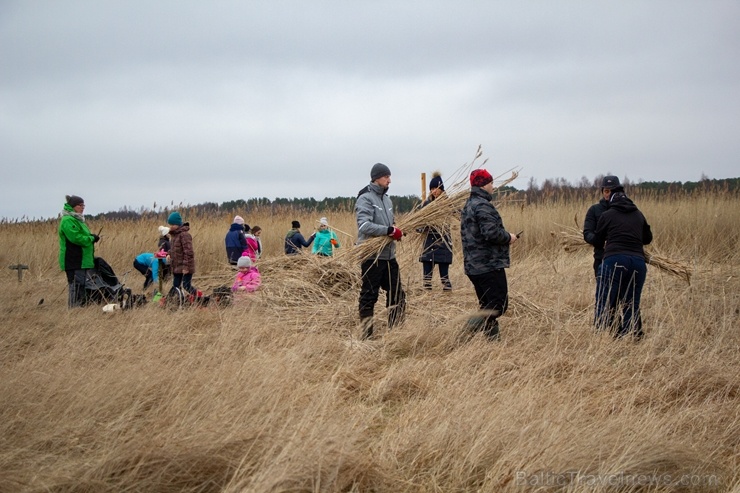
[76,250]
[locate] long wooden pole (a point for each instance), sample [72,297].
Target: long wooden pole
[423,187]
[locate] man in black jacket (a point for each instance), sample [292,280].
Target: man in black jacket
[589,229]
[592,218]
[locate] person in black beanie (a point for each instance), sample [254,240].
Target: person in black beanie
[374,213]
[622,231]
[294,240]
[608,183]
[437,244]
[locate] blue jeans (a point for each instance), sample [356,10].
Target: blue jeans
[619,286]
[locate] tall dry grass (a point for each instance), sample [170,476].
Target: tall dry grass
[275,393]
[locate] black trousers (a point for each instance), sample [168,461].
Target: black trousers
[493,294]
[76,285]
[377,275]
[444,274]
[145,271]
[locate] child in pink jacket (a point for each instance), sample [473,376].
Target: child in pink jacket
[248,279]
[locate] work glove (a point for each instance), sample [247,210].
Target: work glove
[334,242]
[96,238]
[395,233]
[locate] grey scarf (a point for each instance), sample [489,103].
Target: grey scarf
[74,214]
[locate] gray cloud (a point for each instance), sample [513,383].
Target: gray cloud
[128,103]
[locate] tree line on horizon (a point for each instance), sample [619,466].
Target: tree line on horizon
[551,190]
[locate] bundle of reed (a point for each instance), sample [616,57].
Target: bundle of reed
[331,276]
[675,267]
[571,240]
[438,214]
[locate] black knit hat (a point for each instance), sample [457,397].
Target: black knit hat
[379,170]
[436,182]
[610,182]
[295,225]
[74,200]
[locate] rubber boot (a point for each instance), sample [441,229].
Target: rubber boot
[475,324]
[366,324]
[397,314]
[427,283]
[492,329]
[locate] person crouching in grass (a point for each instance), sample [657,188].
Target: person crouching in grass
[248,279]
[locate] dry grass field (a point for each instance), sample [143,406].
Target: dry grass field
[276,393]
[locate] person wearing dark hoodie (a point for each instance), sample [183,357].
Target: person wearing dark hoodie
[182,255]
[294,240]
[235,240]
[76,249]
[374,214]
[622,231]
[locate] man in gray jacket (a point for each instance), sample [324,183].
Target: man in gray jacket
[374,212]
[485,245]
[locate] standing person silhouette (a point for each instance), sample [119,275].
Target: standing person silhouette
[485,244]
[374,213]
[622,231]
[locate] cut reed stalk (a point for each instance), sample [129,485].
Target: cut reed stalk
[571,239]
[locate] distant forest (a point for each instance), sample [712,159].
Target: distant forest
[550,191]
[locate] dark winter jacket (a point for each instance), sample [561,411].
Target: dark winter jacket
[622,229]
[437,244]
[236,242]
[589,228]
[485,242]
[76,249]
[164,243]
[294,241]
[182,256]
[374,214]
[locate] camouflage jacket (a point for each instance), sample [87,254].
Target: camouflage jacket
[485,242]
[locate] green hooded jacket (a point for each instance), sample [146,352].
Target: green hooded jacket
[76,249]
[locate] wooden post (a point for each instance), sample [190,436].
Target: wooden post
[160,275]
[20,268]
[423,187]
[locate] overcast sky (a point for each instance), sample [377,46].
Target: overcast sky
[132,103]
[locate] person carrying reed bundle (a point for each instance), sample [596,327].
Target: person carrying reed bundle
[485,244]
[374,213]
[622,231]
[437,242]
